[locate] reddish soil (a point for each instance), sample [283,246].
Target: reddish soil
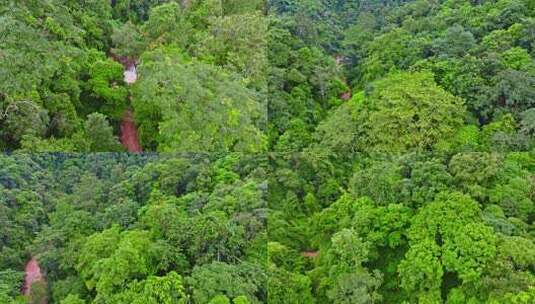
[310,254]
[33,275]
[346,96]
[125,61]
[130,66]
[129,136]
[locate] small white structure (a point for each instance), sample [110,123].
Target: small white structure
[130,74]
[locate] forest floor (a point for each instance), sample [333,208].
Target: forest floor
[129,136]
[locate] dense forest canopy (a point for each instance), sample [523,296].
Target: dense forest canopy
[404,142]
[402,228]
[478,55]
[120,228]
[356,151]
[61,65]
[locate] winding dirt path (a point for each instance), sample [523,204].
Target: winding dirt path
[33,275]
[129,136]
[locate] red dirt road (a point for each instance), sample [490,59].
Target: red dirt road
[129,136]
[33,274]
[309,254]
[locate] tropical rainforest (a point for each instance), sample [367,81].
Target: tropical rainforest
[134,228]
[404,139]
[201,67]
[357,151]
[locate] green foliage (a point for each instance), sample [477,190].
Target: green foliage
[100,134]
[166,23]
[456,42]
[398,140]
[54,72]
[288,287]
[219,279]
[412,227]
[130,228]
[127,41]
[221,299]
[446,228]
[237,42]
[395,50]
[72,299]
[403,112]
[10,283]
[106,77]
[46,55]
[155,290]
[201,108]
